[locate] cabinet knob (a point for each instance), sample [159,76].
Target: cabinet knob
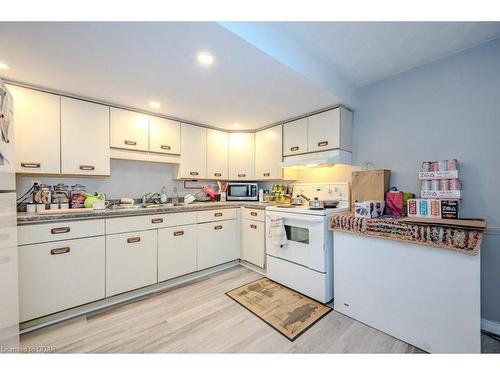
[179,233]
[193,173]
[133,239]
[87,167]
[267,174]
[30,165]
[130,143]
[253,226]
[60,250]
[165,147]
[294,148]
[157,220]
[322,143]
[60,230]
[218,227]
[253,213]
[241,174]
[217,174]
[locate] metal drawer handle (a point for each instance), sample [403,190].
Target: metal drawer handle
[130,143]
[322,143]
[217,214]
[133,239]
[87,167]
[253,226]
[179,233]
[294,148]
[217,227]
[217,174]
[165,147]
[241,174]
[253,213]
[60,230]
[267,174]
[30,165]
[193,173]
[60,250]
[157,220]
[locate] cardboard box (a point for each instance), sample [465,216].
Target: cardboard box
[449,209]
[369,209]
[430,208]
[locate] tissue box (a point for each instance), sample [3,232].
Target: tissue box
[369,209]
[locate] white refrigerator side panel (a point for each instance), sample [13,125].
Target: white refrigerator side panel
[7,157]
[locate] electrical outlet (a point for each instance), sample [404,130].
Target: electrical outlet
[38,182]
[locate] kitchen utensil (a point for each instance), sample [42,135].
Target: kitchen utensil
[126,202]
[330,203]
[316,204]
[297,201]
[99,204]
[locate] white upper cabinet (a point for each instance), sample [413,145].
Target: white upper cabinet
[164,136]
[37,135]
[268,148]
[242,156]
[330,130]
[217,154]
[295,137]
[193,161]
[84,138]
[129,130]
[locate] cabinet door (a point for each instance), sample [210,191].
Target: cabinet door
[131,261]
[330,130]
[84,138]
[193,163]
[241,156]
[252,242]
[164,136]
[268,154]
[129,130]
[217,243]
[295,137]
[176,251]
[217,154]
[37,135]
[55,276]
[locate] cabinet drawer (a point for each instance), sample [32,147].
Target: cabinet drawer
[36,233]
[253,214]
[214,215]
[176,251]
[146,222]
[59,275]
[217,243]
[131,261]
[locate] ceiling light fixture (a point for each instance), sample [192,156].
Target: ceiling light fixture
[154,105]
[205,58]
[236,125]
[3,66]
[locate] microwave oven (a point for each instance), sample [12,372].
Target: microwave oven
[242,191]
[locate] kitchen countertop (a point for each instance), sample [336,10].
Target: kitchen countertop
[24,218]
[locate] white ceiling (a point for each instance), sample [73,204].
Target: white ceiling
[365,52]
[263,72]
[131,64]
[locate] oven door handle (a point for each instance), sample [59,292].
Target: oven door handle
[303,219]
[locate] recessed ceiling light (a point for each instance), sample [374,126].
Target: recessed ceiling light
[236,125]
[3,66]
[205,58]
[155,105]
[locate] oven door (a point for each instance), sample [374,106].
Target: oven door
[306,240]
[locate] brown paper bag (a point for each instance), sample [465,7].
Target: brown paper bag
[370,185]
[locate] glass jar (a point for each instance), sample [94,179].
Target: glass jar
[42,194]
[77,199]
[60,194]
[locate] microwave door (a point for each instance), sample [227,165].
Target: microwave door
[238,192]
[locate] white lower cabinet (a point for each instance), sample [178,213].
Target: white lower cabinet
[217,243]
[131,261]
[58,275]
[252,242]
[176,251]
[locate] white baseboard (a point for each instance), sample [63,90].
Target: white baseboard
[490,326]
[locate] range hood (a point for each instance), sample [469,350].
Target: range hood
[317,159]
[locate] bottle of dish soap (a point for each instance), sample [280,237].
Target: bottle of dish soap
[163,195]
[175,196]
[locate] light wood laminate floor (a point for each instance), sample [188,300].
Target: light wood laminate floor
[200,318]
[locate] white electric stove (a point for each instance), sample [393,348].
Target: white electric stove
[305,263]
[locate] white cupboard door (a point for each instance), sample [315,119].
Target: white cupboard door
[176,251]
[84,138]
[55,276]
[217,243]
[268,154]
[37,135]
[217,154]
[242,156]
[252,242]
[129,130]
[164,136]
[193,163]
[131,261]
[295,137]
[330,130]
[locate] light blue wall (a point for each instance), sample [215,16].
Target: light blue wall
[446,109]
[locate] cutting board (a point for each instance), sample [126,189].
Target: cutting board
[63,211]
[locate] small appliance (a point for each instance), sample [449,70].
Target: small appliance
[242,191]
